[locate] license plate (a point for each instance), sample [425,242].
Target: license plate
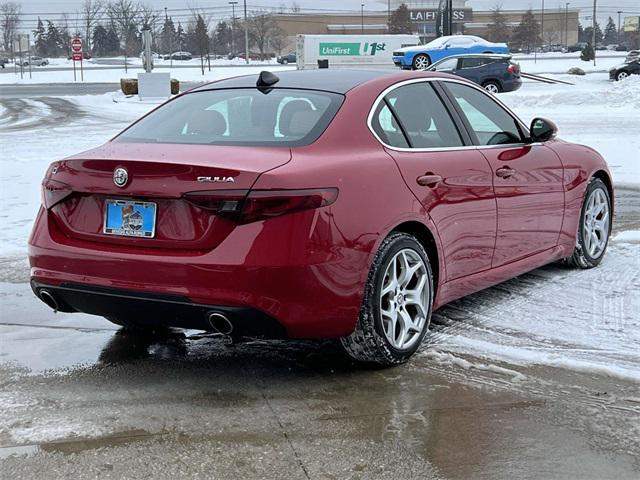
[129,218]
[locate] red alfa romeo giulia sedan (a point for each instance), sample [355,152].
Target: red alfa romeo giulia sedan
[315,204]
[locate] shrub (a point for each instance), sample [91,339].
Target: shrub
[587,53]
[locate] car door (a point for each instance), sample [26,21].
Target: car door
[527,178]
[473,68]
[451,179]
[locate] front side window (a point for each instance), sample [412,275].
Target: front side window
[423,117]
[242,116]
[491,123]
[446,65]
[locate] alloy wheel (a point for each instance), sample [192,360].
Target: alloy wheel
[492,88]
[595,227]
[404,299]
[622,75]
[421,62]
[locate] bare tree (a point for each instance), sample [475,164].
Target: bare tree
[263,30]
[149,18]
[10,13]
[124,14]
[91,11]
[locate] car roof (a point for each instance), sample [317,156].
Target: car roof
[336,80]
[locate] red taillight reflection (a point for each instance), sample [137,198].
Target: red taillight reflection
[257,205]
[54,192]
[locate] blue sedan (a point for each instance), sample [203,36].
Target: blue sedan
[421,56]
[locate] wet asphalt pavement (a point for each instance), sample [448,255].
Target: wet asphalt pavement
[81,399]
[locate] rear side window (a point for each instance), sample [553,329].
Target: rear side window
[475,62]
[491,123]
[423,117]
[281,117]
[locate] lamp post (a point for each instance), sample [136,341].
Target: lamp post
[619,26]
[233,22]
[246,34]
[362,17]
[566,25]
[593,32]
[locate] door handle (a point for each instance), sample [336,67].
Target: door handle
[429,180]
[505,172]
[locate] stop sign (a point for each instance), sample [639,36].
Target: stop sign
[76,45]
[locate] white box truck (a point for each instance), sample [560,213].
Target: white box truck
[353,51]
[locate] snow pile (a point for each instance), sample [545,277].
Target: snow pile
[596,112]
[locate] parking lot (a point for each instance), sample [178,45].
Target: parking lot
[537,377]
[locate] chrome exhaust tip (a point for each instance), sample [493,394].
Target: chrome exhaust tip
[220,323]
[47,297]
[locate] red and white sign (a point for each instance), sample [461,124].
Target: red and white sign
[76,56]
[76,46]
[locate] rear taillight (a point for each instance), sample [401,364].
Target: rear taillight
[242,206]
[513,68]
[54,192]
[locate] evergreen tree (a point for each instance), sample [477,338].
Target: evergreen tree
[400,20]
[53,41]
[40,39]
[222,38]
[527,34]
[112,44]
[497,30]
[610,32]
[181,37]
[587,53]
[167,36]
[588,34]
[100,41]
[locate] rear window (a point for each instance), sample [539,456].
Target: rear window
[281,117]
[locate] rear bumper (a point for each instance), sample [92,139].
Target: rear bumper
[512,85]
[285,269]
[156,309]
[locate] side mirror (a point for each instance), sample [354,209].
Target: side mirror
[542,130]
[446,46]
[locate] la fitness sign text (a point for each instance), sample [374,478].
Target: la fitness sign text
[423,15]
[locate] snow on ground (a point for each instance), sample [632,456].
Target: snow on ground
[582,320]
[595,111]
[113,75]
[561,62]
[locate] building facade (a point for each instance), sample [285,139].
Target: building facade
[560,25]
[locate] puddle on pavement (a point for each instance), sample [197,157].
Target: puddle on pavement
[69,446]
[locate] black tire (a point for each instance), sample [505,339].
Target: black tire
[418,59]
[368,342]
[285,61]
[580,257]
[621,75]
[492,86]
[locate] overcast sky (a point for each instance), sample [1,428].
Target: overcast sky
[221,8]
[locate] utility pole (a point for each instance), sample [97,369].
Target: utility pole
[233,24]
[246,34]
[362,17]
[593,32]
[542,26]
[166,20]
[619,26]
[389,11]
[566,25]
[450,16]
